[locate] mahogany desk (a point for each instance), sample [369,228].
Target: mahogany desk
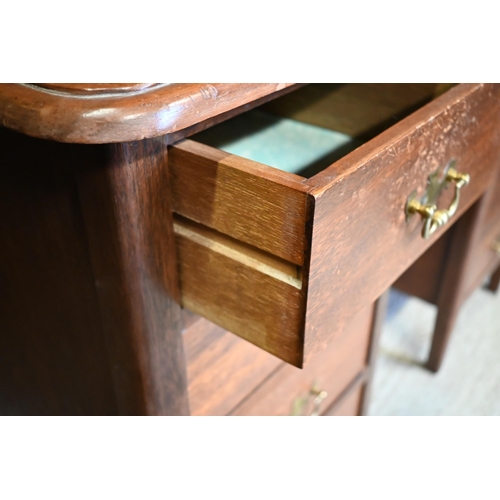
[112,221]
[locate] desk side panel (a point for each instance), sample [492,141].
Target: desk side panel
[53,355]
[126,207]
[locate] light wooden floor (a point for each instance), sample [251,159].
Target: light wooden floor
[468,382]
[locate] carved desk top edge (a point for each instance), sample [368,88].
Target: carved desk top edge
[105,113]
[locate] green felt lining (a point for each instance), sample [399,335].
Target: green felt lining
[282,143]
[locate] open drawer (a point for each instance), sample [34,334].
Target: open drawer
[286,260]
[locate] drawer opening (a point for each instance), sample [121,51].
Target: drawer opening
[309,129]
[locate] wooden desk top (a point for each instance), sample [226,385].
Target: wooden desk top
[119,112]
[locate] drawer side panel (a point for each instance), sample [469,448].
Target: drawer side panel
[264,309]
[250,202]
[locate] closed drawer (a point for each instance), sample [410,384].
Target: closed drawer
[486,252]
[491,217]
[484,259]
[284,260]
[349,405]
[478,253]
[222,369]
[295,392]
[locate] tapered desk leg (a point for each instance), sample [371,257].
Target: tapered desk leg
[494,280]
[452,292]
[379,313]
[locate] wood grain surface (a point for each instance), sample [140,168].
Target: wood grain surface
[482,261]
[129,226]
[250,202]
[53,352]
[423,278]
[355,109]
[484,258]
[105,113]
[349,403]
[491,217]
[90,264]
[494,283]
[358,211]
[253,304]
[453,285]
[361,241]
[331,370]
[222,368]
[455,265]
[96,89]
[379,313]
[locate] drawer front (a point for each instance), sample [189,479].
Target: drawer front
[361,239]
[292,391]
[478,247]
[485,253]
[491,216]
[423,278]
[274,257]
[484,259]
[348,406]
[222,369]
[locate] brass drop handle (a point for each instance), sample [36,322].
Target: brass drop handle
[300,403]
[496,246]
[319,397]
[434,218]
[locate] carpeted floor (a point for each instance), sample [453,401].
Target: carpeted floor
[468,382]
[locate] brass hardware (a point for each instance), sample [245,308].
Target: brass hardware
[427,206]
[320,396]
[496,246]
[301,402]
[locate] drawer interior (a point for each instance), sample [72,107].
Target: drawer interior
[309,129]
